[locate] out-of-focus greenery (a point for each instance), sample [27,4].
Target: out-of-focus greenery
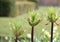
[42,12]
[25,7]
[7,7]
[37,2]
[14,8]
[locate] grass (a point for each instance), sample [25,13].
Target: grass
[5,28]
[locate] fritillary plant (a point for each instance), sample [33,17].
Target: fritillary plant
[52,18]
[33,21]
[16,30]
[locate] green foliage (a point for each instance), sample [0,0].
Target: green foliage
[16,29]
[33,21]
[25,7]
[4,27]
[52,16]
[6,7]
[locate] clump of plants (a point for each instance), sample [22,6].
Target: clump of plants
[16,30]
[33,21]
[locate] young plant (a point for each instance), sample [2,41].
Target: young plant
[33,21]
[52,18]
[16,30]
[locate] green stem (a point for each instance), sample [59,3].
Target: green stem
[52,24]
[32,34]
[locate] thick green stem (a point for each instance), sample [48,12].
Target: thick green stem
[16,40]
[32,34]
[52,24]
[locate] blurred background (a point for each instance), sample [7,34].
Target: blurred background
[17,11]
[18,7]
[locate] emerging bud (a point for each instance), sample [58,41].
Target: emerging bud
[52,16]
[33,20]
